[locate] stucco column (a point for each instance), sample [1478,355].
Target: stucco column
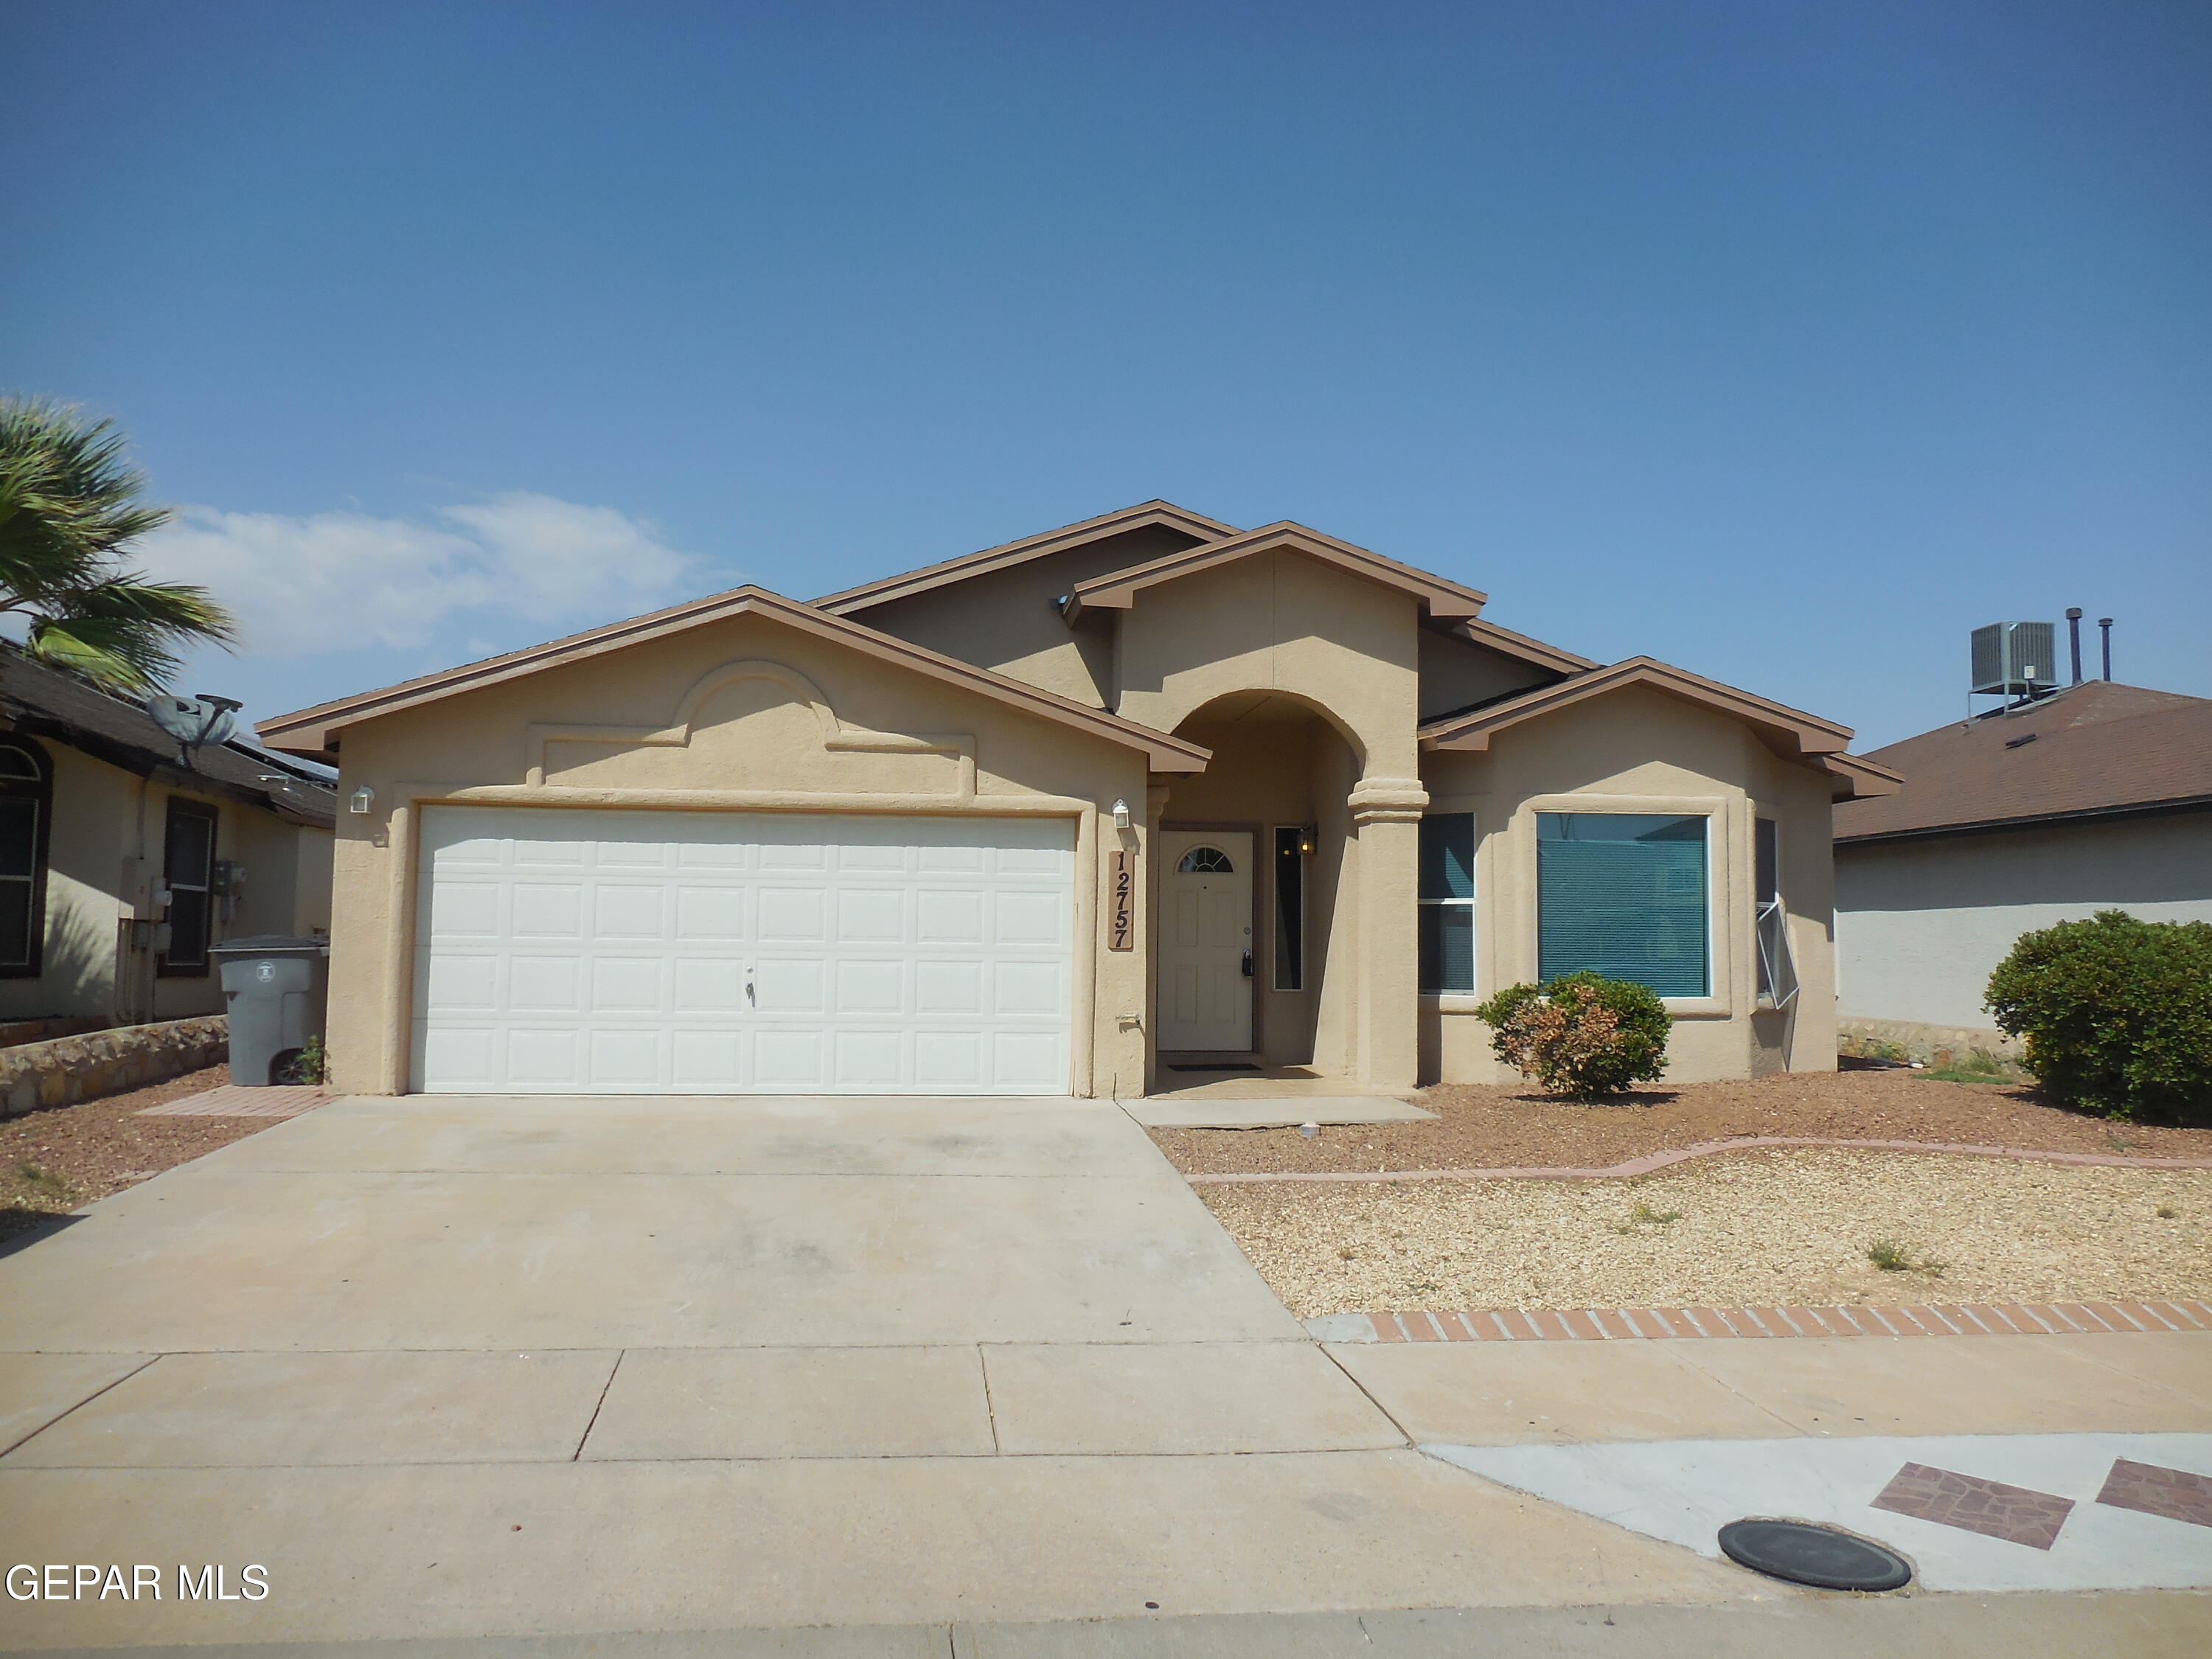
[1386,818]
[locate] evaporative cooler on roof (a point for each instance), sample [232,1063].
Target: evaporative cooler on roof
[2015,659]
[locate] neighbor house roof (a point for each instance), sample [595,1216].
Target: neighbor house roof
[40,701]
[314,732]
[2092,751]
[1444,601]
[1790,730]
[1143,515]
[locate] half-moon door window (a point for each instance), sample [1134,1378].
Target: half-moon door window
[1207,862]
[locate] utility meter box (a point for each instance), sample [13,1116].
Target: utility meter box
[276,986]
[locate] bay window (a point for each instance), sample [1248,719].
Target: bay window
[1624,894]
[1447,903]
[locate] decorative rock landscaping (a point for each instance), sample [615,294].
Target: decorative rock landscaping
[69,1069]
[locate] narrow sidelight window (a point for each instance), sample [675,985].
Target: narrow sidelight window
[1624,895]
[1290,909]
[26,796]
[188,869]
[1447,895]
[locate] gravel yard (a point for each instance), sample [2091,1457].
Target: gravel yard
[1749,1228]
[57,1159]
[1499,1128]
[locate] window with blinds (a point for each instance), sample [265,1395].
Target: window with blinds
[1446,899]
[1624,895]
[25,793]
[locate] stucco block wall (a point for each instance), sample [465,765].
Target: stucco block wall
[1921,924]
[743,715]
[1639,751]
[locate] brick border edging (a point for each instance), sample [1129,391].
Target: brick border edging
[1646,1164]
[1653,1324]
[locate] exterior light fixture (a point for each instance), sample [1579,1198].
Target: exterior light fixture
[363,798]
[1306,839]
[1121,815]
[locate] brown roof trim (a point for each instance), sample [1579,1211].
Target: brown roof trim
[1443,601]
[907,583]
[316,731]
[1478,632]
[1813,735]
[1819,743]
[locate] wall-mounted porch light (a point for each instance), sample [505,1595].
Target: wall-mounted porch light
[1121,815]
[1306,832]
[362,800]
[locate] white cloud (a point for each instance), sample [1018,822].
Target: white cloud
[301,585]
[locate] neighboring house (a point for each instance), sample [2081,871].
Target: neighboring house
[1147,792]
[120,864]
[2096,797]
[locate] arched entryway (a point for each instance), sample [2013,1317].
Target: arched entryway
[1255,940]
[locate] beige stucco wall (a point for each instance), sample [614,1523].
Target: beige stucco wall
[743,714]
[105,853]
[1640,750]
[1458,673]
[1009,620]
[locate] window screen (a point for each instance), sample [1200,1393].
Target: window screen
[1623,894]
[188,868]
[1447,903]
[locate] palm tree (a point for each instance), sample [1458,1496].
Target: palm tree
[68,506]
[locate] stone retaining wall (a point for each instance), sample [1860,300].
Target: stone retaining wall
[1941,1046]
[73,1068]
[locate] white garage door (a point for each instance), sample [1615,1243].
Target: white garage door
[736,952]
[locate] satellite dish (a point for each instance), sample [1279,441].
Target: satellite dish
[194,722]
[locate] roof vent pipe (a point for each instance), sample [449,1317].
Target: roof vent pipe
[2105,624]
[2074,638]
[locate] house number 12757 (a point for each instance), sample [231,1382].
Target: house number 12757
[1121,916]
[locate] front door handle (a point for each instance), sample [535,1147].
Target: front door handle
[1247,964]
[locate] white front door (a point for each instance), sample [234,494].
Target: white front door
[625,952]
[1205,940]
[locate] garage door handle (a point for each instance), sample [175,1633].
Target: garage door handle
[749,985]
[1247,964]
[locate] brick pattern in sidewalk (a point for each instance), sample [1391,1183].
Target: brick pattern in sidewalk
[236,1100]
[1970,1319]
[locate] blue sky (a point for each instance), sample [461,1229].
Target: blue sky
[1784,341]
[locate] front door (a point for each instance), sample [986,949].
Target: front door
[1205,940]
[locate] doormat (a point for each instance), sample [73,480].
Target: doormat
[1229,1066]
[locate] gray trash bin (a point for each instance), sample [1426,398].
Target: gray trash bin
[276,986]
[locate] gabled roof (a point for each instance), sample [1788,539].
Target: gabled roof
[1489,633]
[1444,601]
[315,732]
[44,702]
[1791,732]
[2095,750]
[1145,514]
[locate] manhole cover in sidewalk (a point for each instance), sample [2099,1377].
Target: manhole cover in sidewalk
[1826,1558]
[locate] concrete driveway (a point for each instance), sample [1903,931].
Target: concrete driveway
[471,1367]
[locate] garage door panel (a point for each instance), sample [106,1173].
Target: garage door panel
[709,986]
[872,916]
[541,910]
[793,915]
[627,985]
[710,912]
[549,985]
[606,951]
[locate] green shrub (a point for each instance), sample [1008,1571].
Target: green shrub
[2117,1013]
[1581,1035]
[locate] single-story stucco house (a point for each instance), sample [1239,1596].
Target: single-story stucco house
[1143,792]
[2096,798]
[123,861]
